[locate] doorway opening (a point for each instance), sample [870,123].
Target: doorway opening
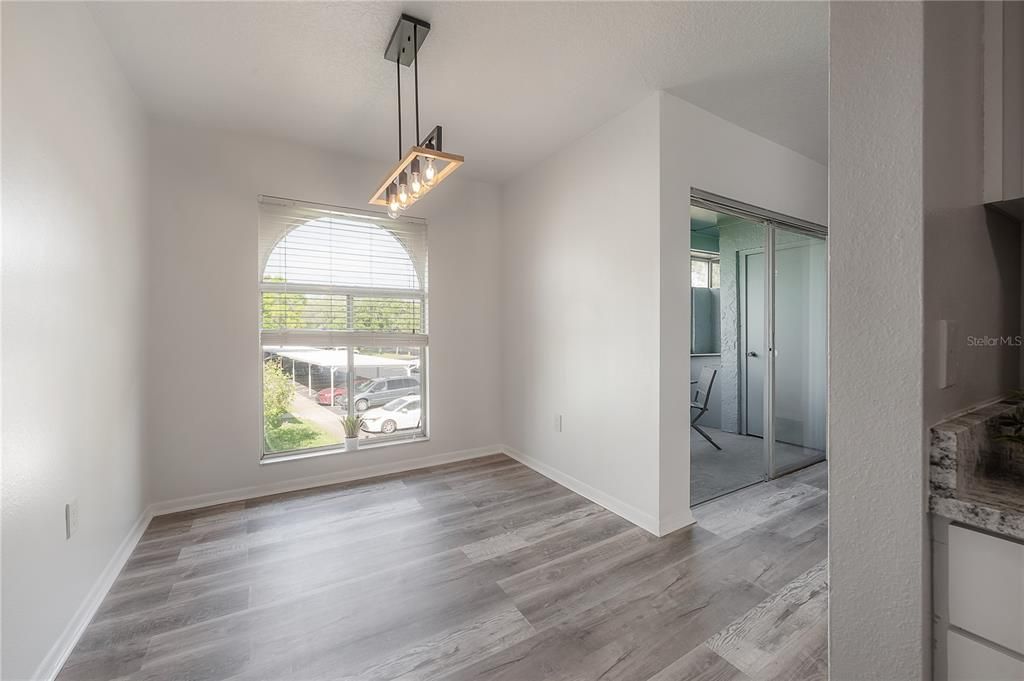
[758,362]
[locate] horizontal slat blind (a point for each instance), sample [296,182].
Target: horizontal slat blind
[336,271]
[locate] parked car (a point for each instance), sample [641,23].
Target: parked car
[395,415]
[380,391]
[324,396]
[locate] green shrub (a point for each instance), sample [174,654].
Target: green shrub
[277,393]
[352,424]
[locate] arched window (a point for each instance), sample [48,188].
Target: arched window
[342,325]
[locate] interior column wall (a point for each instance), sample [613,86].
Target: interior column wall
[877,606]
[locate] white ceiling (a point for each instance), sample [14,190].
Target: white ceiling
[511,82]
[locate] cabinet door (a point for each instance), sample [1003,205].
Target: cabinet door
[986,587]
[969,660]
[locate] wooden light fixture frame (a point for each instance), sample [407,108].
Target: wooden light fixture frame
[452,162]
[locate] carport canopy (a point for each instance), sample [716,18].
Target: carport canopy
[338,357]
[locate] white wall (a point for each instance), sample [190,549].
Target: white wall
[700,150]
[595,248]
[204,424]
[877,606]
[580,300]
[73,169]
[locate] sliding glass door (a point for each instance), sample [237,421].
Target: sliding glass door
[758,346]
[799,349]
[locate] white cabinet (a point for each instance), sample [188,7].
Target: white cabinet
[978,605]
[986,586]
[970,660]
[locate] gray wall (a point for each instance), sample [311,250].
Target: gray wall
[971,257]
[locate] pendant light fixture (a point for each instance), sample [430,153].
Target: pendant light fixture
[425,165]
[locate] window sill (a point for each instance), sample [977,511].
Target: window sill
[332,451]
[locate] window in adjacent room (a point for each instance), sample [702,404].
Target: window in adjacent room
[705,282]
[705,270]
[343,326]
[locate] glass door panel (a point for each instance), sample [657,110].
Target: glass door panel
[727,353]
[799,377]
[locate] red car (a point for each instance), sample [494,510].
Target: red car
[324,396]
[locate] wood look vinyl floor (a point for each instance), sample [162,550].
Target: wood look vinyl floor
[477,570]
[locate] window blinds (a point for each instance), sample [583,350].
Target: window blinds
[331,276]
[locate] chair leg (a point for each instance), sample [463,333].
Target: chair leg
[706,436]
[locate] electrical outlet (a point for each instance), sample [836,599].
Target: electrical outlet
[71,518]
[558,423]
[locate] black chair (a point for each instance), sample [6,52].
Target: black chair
[700,401]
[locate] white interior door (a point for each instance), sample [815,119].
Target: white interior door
[753,334]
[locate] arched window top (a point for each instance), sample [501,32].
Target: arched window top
[340,252]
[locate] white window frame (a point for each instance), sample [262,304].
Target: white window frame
[349,339]
[711,259]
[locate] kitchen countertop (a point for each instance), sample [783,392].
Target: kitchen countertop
[972,478]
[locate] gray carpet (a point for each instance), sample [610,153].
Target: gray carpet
[738,464]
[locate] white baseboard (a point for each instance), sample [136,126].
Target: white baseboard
[676,521]
[371,471]
[617,506]
[61,649]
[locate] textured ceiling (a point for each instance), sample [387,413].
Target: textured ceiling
[510,82]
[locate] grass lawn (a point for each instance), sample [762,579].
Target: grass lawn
[296,434]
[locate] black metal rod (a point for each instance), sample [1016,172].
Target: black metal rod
[398,74]
[416,78]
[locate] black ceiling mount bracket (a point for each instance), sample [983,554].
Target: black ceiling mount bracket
[401,47]
[433,139]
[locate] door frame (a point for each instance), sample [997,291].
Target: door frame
[771,221]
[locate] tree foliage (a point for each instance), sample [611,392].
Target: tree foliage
[282,310]
[277,393]
[383,315]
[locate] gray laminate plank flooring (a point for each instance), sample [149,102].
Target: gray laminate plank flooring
[476,570]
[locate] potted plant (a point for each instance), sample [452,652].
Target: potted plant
[352,425]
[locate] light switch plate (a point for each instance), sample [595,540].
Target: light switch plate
[71,518]
[948,353]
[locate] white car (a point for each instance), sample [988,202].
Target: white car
[397,414]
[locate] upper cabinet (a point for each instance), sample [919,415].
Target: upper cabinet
[1004,107]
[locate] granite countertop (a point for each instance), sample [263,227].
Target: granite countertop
[975,479]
